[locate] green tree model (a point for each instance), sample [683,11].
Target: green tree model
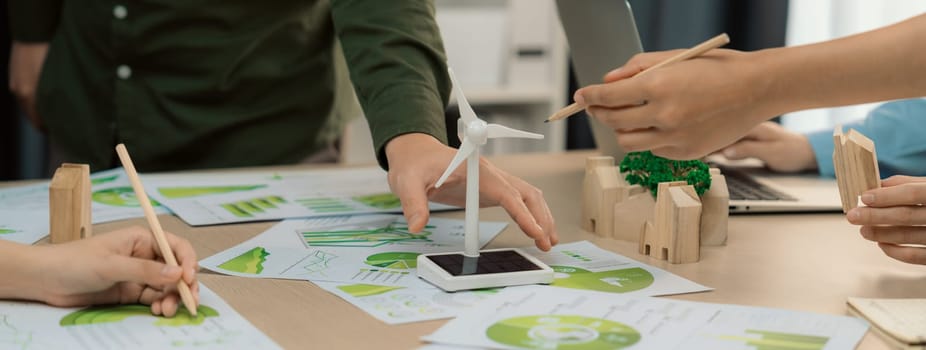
[648,170]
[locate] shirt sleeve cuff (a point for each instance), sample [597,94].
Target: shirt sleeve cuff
[33,21]
[404,111]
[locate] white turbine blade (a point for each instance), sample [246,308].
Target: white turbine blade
[497,131]
[466,111]
[466,148]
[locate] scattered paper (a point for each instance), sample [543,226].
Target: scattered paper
[24,210]
[583,265]
[537,317]
[208,199]
[26,325]
[367,249]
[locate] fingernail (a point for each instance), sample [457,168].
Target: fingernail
[729,152]
[868,198]
[615,71]
[579,98]
[853,215]
[169,270]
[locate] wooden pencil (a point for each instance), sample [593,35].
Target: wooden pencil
[698,50]
[185,294]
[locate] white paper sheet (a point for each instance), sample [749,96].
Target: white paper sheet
[397,305]
[579,265]
[549,318]
[24,210]
[207,199]
[368,249]
[583,265]
[37,326]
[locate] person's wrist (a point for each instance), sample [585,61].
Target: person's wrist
[409,144]
[767,88]
[24,280]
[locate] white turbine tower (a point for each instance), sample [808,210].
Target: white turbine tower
[475,133]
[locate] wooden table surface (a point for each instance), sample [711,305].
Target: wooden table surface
[808,262]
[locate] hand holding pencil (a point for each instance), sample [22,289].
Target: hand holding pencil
[166,253]
[689,108]
[698,50]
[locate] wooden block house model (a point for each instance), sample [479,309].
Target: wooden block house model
[856,166]
[672,227]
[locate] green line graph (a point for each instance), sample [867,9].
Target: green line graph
[768,340]
[374,237]
[118,313]
[251,262]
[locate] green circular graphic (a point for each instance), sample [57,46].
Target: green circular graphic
[394,260]
[118,197]
[614,281]
[567,332]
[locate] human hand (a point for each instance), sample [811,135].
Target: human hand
[684,110]
[26,60]
[122,267]
[894,217]
[781,150]
[416,162]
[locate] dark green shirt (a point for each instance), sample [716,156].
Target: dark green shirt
[221,83]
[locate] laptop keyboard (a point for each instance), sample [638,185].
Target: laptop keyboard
[743,187]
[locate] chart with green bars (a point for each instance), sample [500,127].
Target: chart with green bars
[768,340]
[252,207]
[390,233]
[197,191]
[566,332]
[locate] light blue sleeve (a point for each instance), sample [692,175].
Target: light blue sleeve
[898,129]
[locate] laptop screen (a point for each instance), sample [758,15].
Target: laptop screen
[602,35]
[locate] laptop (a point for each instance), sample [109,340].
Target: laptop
[602,35]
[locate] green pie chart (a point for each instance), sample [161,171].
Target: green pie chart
[118,197]
[568,332]
[613,281]
[394,260]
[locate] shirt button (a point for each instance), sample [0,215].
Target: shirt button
[120,12]
[124,72]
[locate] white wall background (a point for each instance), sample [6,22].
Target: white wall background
[811,21]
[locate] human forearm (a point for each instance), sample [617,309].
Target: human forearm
[20,278]
[883,64]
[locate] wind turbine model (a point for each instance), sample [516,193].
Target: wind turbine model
[491,268]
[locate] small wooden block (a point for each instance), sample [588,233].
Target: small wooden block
[631,214]
[69,205]
[600,190]
[856,165]
[715,211]
[674,233]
